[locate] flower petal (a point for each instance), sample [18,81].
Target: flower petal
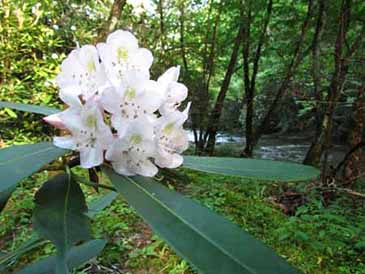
[123,38]
[54,120]
[90,157]
[70,95]
[67,142]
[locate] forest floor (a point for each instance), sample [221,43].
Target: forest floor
[315,239]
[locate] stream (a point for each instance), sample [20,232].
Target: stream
[291,148]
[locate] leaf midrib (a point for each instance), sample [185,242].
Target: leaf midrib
[65,211]
[191,226]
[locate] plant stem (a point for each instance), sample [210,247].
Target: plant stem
[90,183]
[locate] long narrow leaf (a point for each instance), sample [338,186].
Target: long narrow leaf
[99,204]
[77,256]
[29,108]
[19,162]
[4,197]
[208,241]
[35,241]
[252,168]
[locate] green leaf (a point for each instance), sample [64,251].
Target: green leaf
[208,241]
[11,113]
[19,162]
[29,108]
[252,168]
[77,256]
[35,241]
[59,215]
[4,197]
[99,204]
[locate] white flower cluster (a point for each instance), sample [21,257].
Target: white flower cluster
[116,112]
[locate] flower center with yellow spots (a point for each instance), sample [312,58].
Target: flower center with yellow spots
[136,139]
[168,128]
[91,122]
[122,54]
[130,93]
[90,66]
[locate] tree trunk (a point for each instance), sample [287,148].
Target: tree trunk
[316,67]
[250,85]
[109,26]
[208,65]
[296,59]
[162,27]
[356,162]
[217,110]
[323,141]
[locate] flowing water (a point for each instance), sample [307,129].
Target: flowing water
[277,147]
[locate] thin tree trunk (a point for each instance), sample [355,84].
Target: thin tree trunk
[186,71]
[250,85]
[356,161]
[323,141]
[160,7]
[246,79]
[316,68]
[208,65]
[217,110]
[109,26]
[182,37]
[295,61]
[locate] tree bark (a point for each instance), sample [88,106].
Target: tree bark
[250,85]
[323,141]
[162,26]
[356,161]
[295,61]
[316,67]
[186,74]
[109,26]
[208,65]
[217,110]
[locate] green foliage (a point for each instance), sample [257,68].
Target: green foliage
[59,216]
[244,202]
[18,162]
[35,38]
[29,108]
[78,255]
[99,204]
[200,230]
[252,168]
[318,239]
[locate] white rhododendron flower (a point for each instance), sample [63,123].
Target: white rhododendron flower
[116,113]
[132,153]
[173,92]
[134,98]
[171,139]
[81,75]
[121,53]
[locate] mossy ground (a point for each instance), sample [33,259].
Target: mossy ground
[316,239]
